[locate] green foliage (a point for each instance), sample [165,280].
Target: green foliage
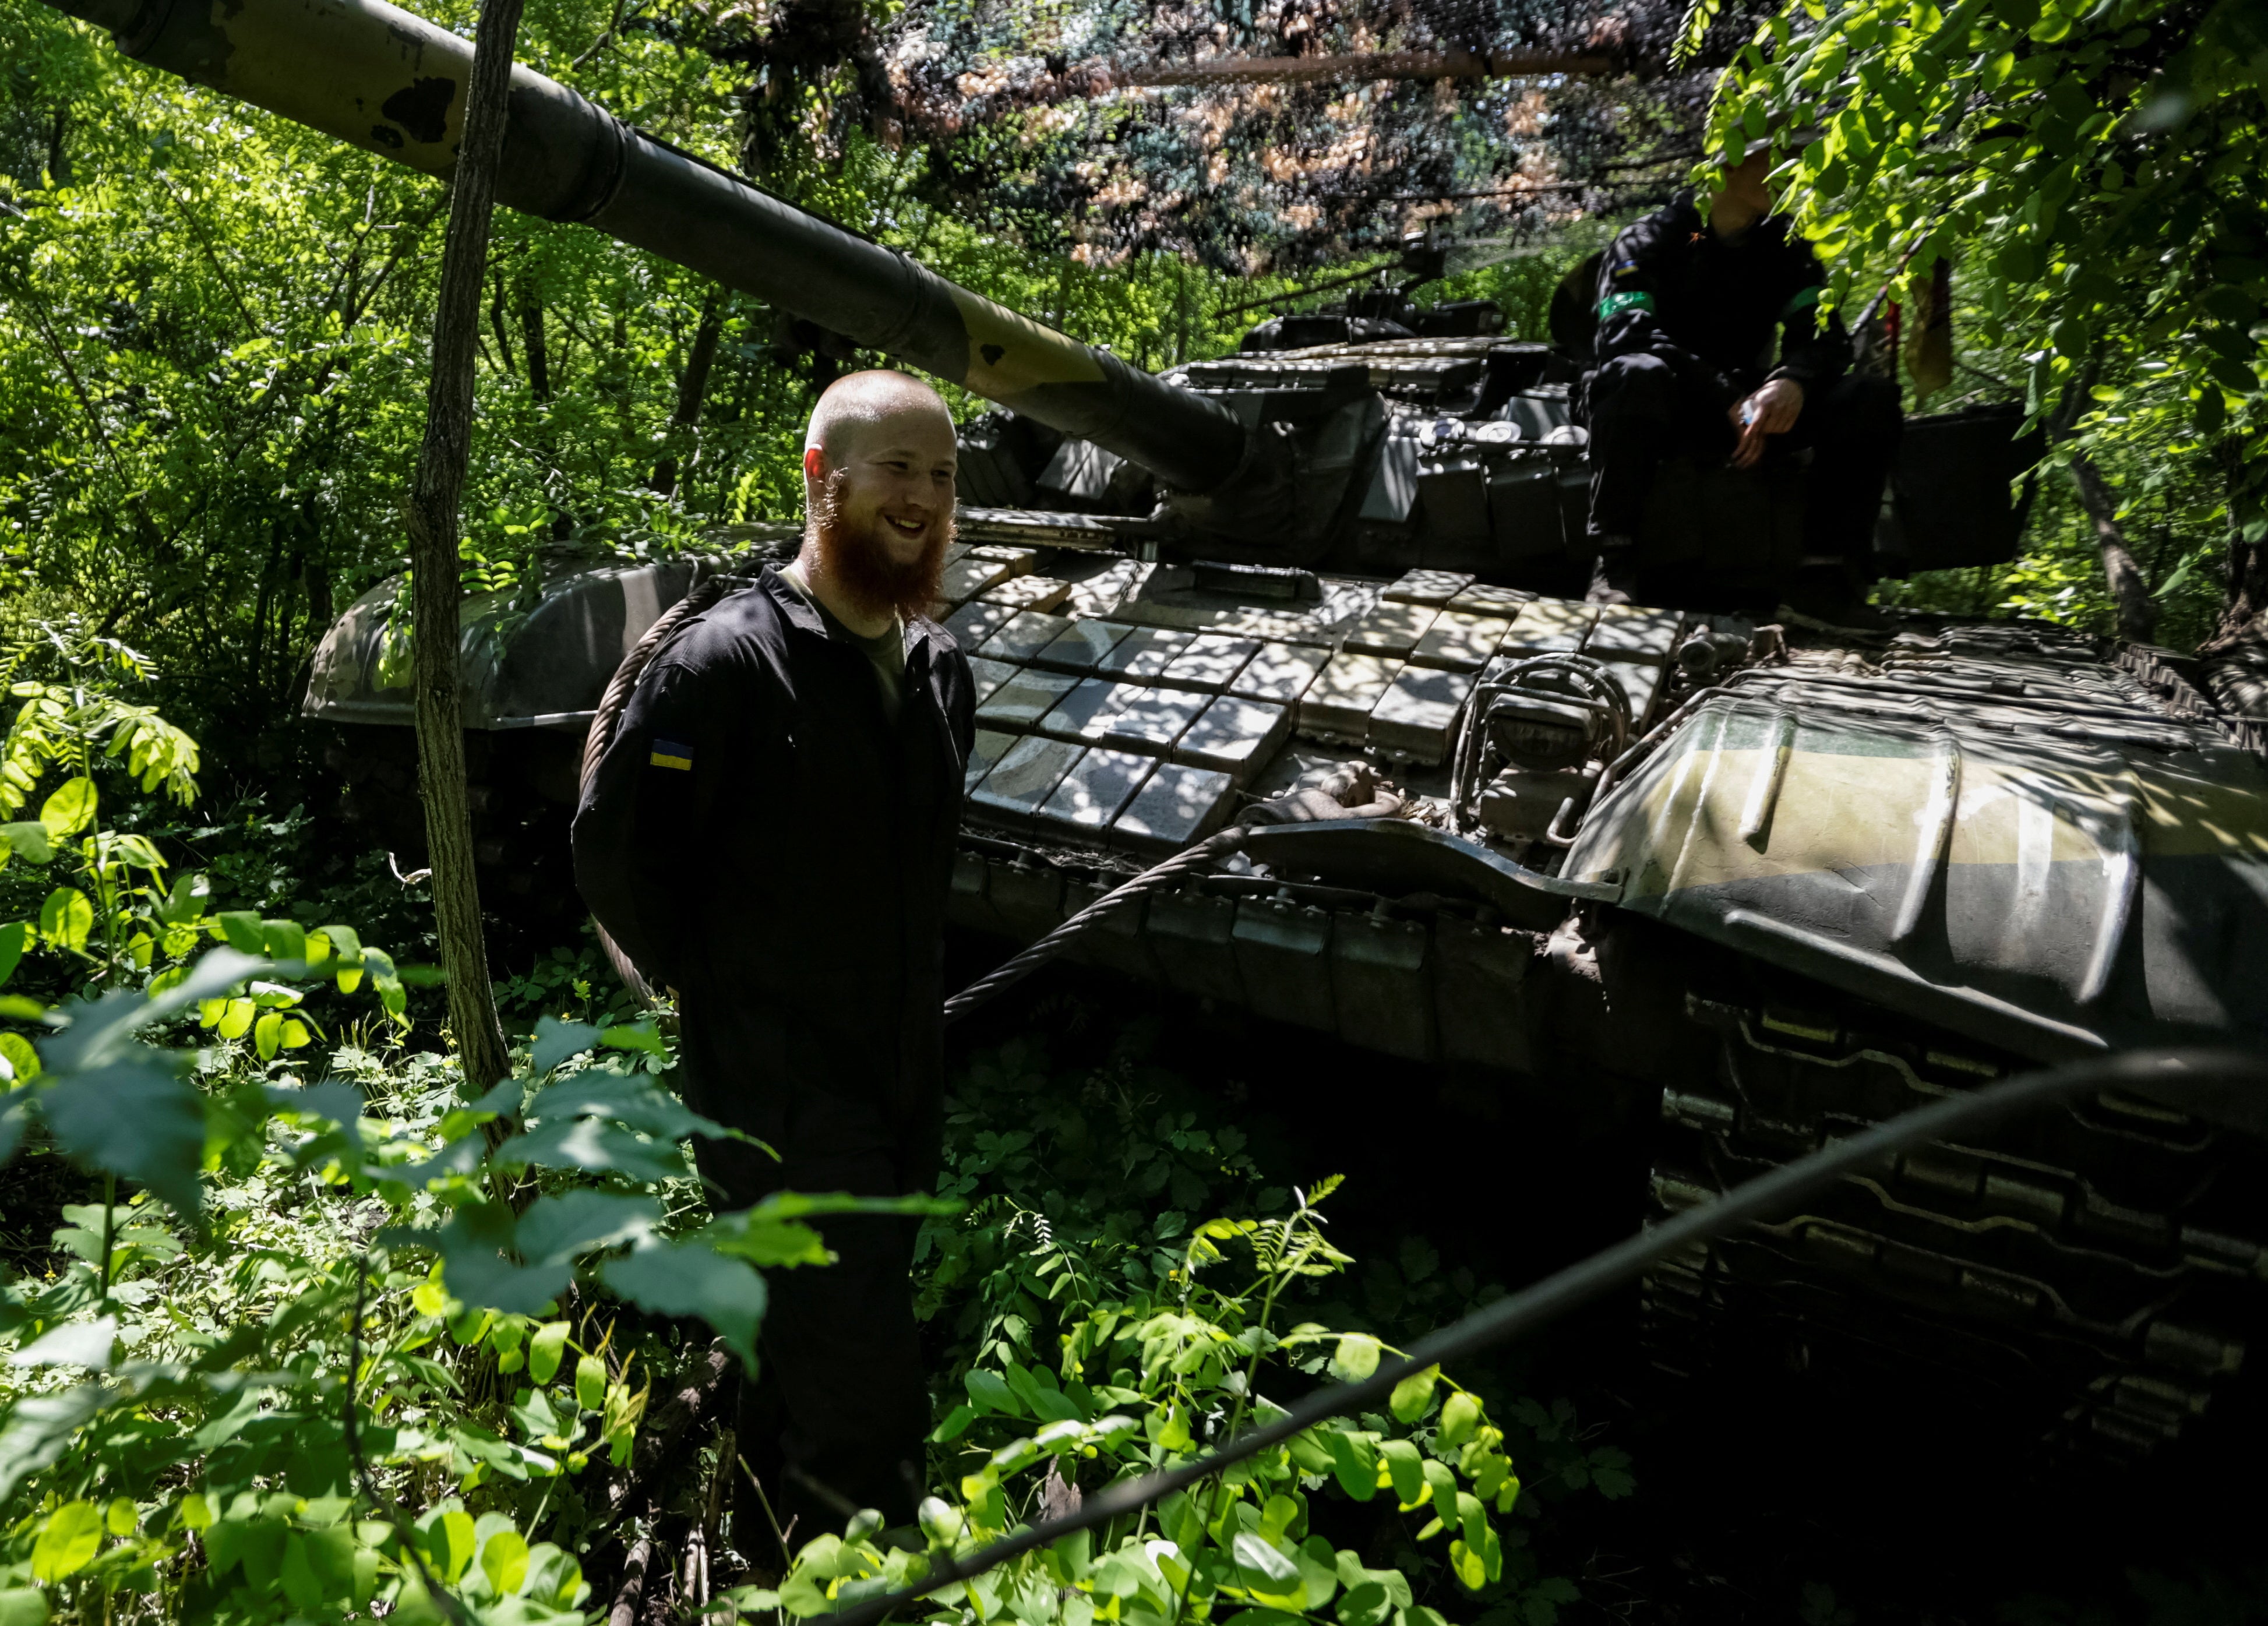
[1102,1327]
[207,1460]
[2089,168]
[1143,1383]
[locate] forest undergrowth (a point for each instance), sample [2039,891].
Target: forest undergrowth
[296,1330]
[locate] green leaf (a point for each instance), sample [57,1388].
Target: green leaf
[1265,1569]
[137,1118]
[74,1343]
[1442,1482]
[296,1572]
[990,1390]
[589,1382]
[22,1061]
[564,1227]
[594,1146]
[22,1606]
[636,1036]
[242,928]
[556,1041]
[1366,1605]
[69,810]
[474,1246]
[284,940]
[1468,1566]
[1405,1467]
[450,1543]
[68,1541]
[185,900]
[1356,1358]
[267,1035]
[769,1241]
[1414,1394]
[545,1349]
[67,918]
[504,1560]
[1311,1455]
[632,1100]
[29,841]
[688,1278]
[1461,1414]
[1355,1460]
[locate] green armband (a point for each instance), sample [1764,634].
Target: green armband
[1615,302]
[1803,299]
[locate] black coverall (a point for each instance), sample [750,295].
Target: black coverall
[1686,325]
[762,839]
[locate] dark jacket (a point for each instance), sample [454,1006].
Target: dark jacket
[1671,288]
[762,839]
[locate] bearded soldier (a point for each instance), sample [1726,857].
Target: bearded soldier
[770,836]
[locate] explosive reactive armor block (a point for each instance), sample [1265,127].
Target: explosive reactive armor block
[1236,736]
[1391,630]
[1210,663]
[1025,636]
[1081,646]
[1144,654]
[1024,699]
[1095,789]
[1176,805]
[1417,715]
[1024,777]
[1337,705]
[1280,673]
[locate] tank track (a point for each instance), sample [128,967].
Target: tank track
[2090,1275]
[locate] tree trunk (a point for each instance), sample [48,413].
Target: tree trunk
[2234,660]
[2244,614]
[434,592]
[531,339]
[2136,611]
[496,321]
[692,387]
[2130,589]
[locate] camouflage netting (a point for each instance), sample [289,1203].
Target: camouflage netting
[1061,122]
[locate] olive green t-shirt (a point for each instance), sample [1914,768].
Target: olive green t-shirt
[887,650]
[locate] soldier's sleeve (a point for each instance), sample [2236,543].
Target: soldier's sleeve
[1814,352]
[1630,286]
[649,811]
[961,715]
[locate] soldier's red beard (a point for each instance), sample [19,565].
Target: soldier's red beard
[859,557]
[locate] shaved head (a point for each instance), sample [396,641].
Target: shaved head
[859,401]
[878,485]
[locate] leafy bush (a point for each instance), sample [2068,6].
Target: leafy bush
[244,1393]
[1099,1335]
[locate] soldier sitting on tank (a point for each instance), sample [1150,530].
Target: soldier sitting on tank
[1688,300]
[771,836]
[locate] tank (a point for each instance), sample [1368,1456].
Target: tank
[1725,885]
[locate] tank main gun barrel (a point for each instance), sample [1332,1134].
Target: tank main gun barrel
[390,82]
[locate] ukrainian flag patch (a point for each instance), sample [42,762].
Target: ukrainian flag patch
[670,754]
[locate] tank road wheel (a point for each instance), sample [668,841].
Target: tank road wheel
[2092,1274]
